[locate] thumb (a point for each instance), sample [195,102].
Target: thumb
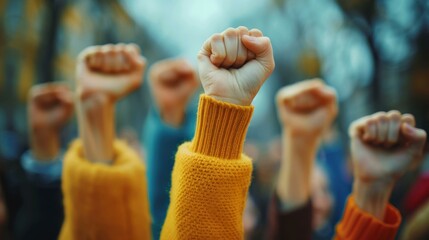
[261,47]
[415,137]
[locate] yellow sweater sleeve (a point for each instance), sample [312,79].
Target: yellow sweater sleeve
[211,176]
[105,202]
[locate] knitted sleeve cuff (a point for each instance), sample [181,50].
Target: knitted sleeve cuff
[42,172]
[357,224]
[221,128]
[105,201]
[207,196]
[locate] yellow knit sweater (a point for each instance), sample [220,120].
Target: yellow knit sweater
[210,181]
[211,177]
[105,202]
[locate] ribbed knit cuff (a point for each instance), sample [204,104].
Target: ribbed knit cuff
[221,128]
[41,172]
[105,201]
[357,224]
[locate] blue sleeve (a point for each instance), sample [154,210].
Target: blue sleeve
[44,173]
[40,214]
[161,142]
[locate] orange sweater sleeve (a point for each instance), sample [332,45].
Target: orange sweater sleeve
[357,224]
[211,176]
[104,202]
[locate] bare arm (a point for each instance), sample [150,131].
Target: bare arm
[383,147]
[306,110]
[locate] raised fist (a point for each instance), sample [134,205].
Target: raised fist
[112,70]
[104,74]
[307,108]
[384,146]
[234,64]
[173,82]
[50,107]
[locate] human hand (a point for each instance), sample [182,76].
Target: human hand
[50,106]
[104,74]
[234,64]
[111,70]
[306,109]
[172,82]
[383,147]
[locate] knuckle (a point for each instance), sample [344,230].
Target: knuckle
[369,122]
[229,30]
[243,29]
[219,57]
[382,118]
[134,46]
[394,114]
[216,37]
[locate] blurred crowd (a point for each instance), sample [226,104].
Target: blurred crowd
[373,54]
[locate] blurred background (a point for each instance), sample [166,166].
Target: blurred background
[375,53]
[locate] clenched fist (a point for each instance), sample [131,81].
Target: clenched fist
[307,108]
[104,74]
[234,64]
[173,82]
[111,70]
[383,147]
[50,107]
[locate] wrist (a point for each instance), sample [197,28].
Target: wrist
[311,139]
[240,102]
[174,117]
[299,154]
[97,129]
[372,196]
[304,146]
[221,128]
[44,144]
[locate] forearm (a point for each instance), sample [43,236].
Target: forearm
[368,213]
[293,224]
[97,130]
[161,141]
[211,177]
[105,202]
[41,211]
[359,224]
[372,198]
[173,117]
[293,184]
[44,144]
